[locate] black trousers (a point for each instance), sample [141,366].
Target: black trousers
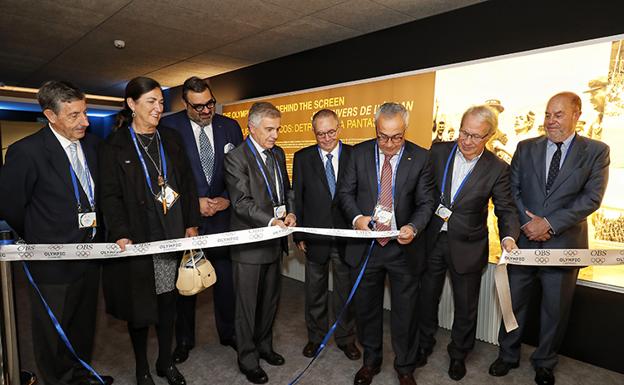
[74,305]
[388,261]
[222,296]
[257,288]
[317,299]
[465,300]
[558,286]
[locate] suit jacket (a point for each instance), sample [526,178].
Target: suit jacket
[227,134]
[129,286]
[37,199]
[467,226]
[314,205]
[251,203]
[576,192]
[413,200]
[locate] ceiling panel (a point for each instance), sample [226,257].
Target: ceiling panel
[176,74]
[420,9]
[265,46]
[316,30]
[219,60]
[363,15]
[307,6]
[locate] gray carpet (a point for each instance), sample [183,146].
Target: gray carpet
[211,363]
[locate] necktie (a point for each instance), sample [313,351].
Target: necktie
[331,176]
[553,170]
[78,168]
[270,163]
[385,195]
[206,155]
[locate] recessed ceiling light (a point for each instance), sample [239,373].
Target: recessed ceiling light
[120,44]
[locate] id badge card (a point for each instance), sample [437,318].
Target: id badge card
[279,212]
[87,220]
[383,215]
[443,212]
[170,196]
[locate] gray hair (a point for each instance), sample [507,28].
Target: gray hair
[389,109]
[261,110]
[324,113]
[54,92]
[485,113]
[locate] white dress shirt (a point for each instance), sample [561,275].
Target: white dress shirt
[65,143]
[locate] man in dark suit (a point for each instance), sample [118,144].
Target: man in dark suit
[466,176]
[316,171]
[557,180]
[207,137]
[47,195]
[388,181]
[257,181]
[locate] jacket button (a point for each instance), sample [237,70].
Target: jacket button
[141,202]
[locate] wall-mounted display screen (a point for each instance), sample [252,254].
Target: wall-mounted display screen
[518,86]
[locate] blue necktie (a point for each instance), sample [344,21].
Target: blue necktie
[78,168]
[206,154]
[329,173]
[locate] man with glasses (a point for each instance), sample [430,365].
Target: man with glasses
[317,170]
[466,175]
[207,137]
[387,186]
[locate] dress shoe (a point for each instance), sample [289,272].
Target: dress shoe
[256,376]
[310,349]
[174,377]
[272,358]
[457,369]
[181,353]
[406,379]
[351,351]
[500,368]
[145,379]
[544,376]
[421,356]
[92,380]
[365,375]
[231,342]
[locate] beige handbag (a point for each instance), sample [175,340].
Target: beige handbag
[195,276]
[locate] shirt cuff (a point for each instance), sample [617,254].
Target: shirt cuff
[551,231]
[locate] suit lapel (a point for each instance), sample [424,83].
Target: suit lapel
[218,134]
[449,176]
[91,156]
[404,167]
[371,168]
[538,153]
[571,162]
[57,158]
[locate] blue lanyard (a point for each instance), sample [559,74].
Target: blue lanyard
[448,162]
[393,171]
[266,180]
[162,157]
[89,191]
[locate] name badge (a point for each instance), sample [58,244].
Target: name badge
[443,212]
[87,220]
[167,197]
[279,212]
[383,215]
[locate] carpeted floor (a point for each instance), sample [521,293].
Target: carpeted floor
[211,363]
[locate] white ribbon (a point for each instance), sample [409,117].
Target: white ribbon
[81,251]
[545,257]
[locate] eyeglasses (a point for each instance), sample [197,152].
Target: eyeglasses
[200,107]
[477,138]
[330,134]
[394,138]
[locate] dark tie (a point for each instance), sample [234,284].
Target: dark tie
[331,176]
[385,195]
[206,154]
[270,164]
[553,171]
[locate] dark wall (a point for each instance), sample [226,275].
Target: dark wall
[484,30]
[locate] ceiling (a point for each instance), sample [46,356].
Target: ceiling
[171,40]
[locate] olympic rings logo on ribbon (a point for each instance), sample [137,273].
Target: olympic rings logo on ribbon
[542,260]
[598,260]
[570,253]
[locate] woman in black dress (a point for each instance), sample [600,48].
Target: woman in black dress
[147,194]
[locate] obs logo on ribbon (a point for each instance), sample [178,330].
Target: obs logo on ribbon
[570,253]
[25,248]
[541,260]
[597,261]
